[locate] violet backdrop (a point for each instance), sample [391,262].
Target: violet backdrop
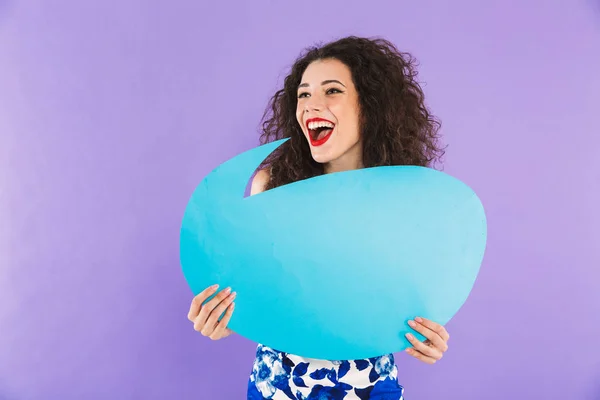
[112,112]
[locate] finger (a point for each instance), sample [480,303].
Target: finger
[433,336]
[221,330]
[207,309]
[213,318]
[434,326]
[199,299]
[421,356]
[421,347]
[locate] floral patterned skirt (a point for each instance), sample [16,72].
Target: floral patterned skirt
[277,375]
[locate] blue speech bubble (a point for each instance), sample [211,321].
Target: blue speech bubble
[334,266]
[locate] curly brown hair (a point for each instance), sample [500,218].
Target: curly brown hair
[396,126]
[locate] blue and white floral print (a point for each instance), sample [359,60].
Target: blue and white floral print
[277,375]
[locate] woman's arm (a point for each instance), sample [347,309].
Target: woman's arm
[259,182]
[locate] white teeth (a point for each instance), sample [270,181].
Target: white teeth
[320,124]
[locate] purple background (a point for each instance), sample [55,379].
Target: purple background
[111,113]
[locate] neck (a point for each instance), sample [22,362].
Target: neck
[350,160]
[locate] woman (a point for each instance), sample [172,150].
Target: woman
[350,104]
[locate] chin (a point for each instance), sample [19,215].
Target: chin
[321,160]
[320,157]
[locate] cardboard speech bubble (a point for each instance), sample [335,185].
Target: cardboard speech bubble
[334,266]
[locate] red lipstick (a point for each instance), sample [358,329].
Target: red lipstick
[319,135]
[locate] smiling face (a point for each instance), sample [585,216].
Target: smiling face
[328,112]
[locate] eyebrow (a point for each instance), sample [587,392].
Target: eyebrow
[323,83]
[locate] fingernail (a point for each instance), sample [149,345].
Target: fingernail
[419,319]
[232,306]
[213,287]
[228,290]
[409,350]
[232,295]
[409,336]
[412,324]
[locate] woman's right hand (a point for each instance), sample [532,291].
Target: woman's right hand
[206,316]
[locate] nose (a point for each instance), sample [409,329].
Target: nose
[314,103]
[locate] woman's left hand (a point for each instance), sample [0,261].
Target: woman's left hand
[436,344]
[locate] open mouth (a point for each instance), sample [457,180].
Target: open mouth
[319,130]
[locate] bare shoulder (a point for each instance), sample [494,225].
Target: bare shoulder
[259,182]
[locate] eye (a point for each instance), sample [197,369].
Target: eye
[303,94]
[333,91]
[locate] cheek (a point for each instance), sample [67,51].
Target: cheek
[347,119]
[354,121]
[299,119]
